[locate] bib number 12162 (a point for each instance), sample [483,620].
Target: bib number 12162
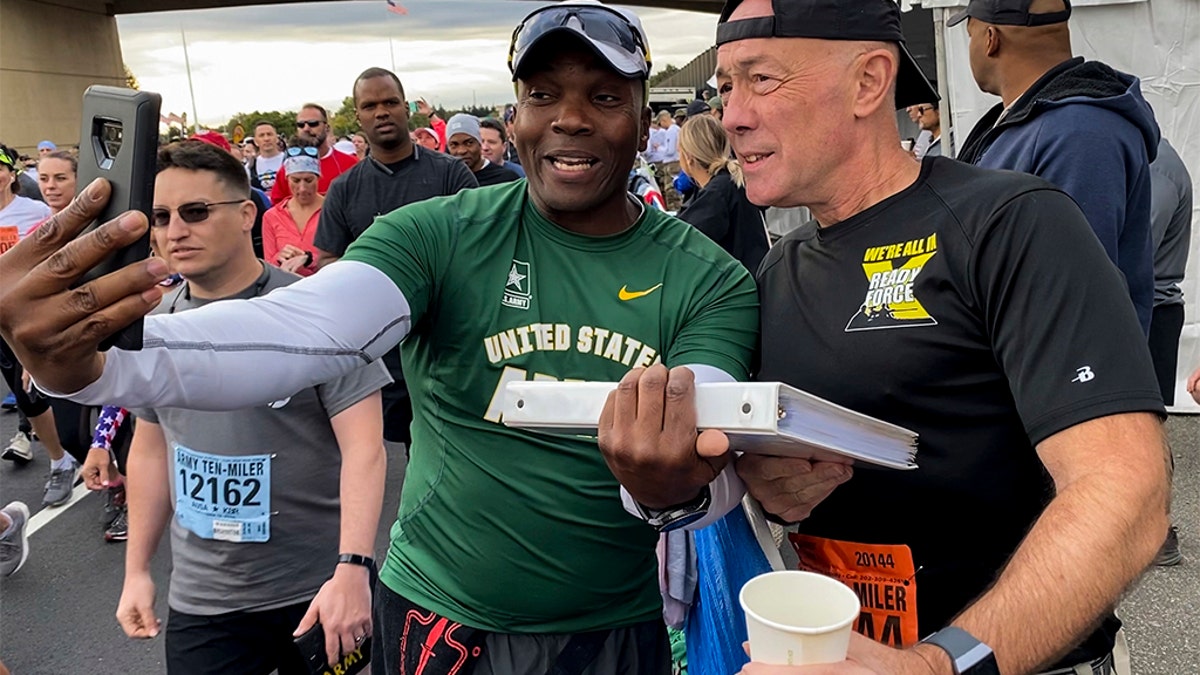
[221,497]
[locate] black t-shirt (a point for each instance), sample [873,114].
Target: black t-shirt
[492,174]
[976,308]
[722,212]
[371,189]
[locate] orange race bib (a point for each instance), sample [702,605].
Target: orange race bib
[9,236]
[882,575]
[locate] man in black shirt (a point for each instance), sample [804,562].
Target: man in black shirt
[973,307]
[464,142]
[394,174]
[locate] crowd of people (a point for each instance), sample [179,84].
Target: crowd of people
[311,298]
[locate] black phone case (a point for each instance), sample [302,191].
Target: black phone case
[312,648]
[119,142]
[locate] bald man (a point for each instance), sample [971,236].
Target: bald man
[971,306]
[1078,124]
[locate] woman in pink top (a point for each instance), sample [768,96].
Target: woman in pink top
[290,225]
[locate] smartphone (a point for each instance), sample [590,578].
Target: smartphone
[119,142]
[312,647]
[412,107]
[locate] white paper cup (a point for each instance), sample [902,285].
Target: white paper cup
[798,618]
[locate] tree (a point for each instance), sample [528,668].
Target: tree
[417,121]
[284,121]
[662,75]
[344,122]
[131,79]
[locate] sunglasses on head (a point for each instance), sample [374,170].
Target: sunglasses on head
[598,23]
[302,150]
[192,212]
[311,124]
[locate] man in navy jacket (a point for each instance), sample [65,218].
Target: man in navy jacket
[1078,124]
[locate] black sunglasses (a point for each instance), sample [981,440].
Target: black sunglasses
[311,124]
[598,23]
[192,212]
[296,151]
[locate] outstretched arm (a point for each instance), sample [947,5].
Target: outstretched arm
[235,354]
[228,355]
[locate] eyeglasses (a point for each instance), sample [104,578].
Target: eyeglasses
[599,24]
[311,124]
[5,160]
[192,212]
[296,151]
[922,109]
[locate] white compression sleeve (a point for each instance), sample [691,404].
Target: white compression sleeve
[235,354]
[727,488]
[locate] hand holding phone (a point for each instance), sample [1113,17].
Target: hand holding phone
[54,329]
[119,142]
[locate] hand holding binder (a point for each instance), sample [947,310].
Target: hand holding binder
[649,438]
[769,418]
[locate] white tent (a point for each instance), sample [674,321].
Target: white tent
[1156,40]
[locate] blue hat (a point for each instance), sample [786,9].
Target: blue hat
[47,145]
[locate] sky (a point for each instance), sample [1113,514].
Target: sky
[276,57]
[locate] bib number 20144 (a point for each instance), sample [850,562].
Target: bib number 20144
[223,498]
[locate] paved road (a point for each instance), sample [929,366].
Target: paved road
[56,614]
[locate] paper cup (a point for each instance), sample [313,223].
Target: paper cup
[798,618]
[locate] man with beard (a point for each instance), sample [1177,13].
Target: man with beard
[312,128]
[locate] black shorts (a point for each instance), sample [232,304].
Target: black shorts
[29,405]
[238,643]
[420,640]
[1166,323]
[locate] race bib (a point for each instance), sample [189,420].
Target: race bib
[882,575]
[223,498]
[9,236]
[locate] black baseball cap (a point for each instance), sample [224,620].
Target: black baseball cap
[866,20]
[1009,13]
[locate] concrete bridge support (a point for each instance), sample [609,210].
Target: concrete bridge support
[50,52]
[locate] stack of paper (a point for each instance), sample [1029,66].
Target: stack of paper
[768,418]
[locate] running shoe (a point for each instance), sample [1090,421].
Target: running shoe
[14,545]
[9,402]
[58,488]
[1169,555]
[18,449]
[114,503]
[118,530]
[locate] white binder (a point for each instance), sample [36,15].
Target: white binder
[769,418]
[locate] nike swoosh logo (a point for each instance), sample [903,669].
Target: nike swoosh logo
[626,295]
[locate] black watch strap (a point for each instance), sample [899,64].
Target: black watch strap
[356,559]
[968,655]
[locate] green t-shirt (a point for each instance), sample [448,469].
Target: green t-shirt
[515,531]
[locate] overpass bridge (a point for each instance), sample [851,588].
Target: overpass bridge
[52,50]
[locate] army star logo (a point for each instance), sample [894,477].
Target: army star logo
[518,291]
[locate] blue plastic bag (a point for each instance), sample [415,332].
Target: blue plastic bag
[728,555]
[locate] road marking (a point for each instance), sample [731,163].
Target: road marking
[42,518]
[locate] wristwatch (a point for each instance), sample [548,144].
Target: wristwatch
[681,515]
[968,655]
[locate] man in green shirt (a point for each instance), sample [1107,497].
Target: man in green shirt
[511,548]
